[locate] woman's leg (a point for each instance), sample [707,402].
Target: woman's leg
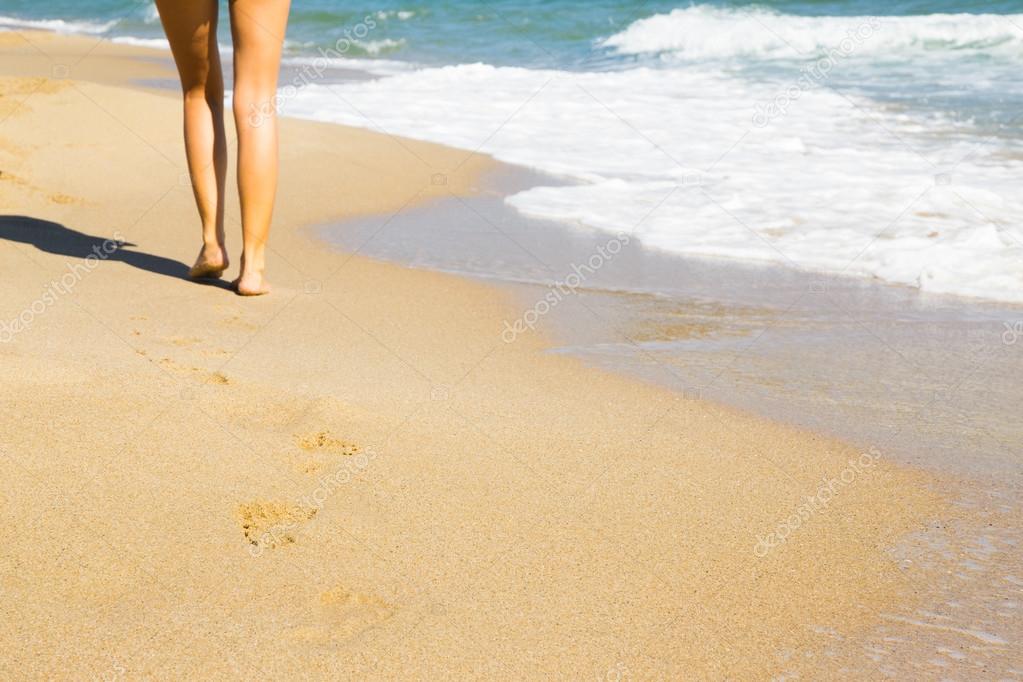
[191,28]
[257,27]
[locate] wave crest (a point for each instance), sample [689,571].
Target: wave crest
[704,32]
[56,25]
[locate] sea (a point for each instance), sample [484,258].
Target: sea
[858,138]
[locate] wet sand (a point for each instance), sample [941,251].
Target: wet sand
[360,476]
[927,376]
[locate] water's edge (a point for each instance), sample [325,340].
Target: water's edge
[883,366]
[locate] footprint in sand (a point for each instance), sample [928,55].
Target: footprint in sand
[323,441]
[184,341]
[15,91]
[218,378]
[238,322]
[343,614]
[196,344]
[321,446]
[176,366]
[268,525]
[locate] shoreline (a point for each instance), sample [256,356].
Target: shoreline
[478,508]
[646,313]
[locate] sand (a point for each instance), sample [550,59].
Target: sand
[357,477]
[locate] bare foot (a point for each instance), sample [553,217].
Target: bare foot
[251,284]
[211,263]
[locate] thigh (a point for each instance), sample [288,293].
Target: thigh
[191,28]
[257,29]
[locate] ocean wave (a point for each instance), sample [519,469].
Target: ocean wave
[351,50]
[703,32]
[57,25]
[373,48]
[831,185]
[400,15]
[313,68]
[155,43]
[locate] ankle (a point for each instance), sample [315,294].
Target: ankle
[211,243]
[253,261]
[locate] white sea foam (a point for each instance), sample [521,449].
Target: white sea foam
[375,47]
[673,156]
[57,25]
[156,43]
[702,32]
[400,15]
[314,68]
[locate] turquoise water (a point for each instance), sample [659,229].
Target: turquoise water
[966,80]
[548,33]
[545,33]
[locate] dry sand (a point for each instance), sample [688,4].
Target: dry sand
[355,476]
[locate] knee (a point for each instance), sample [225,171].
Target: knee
[205,94]
[194,92]
[252,108]
[194,80]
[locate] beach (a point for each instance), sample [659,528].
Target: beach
[363,475]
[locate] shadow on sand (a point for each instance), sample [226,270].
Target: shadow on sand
[63,241]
